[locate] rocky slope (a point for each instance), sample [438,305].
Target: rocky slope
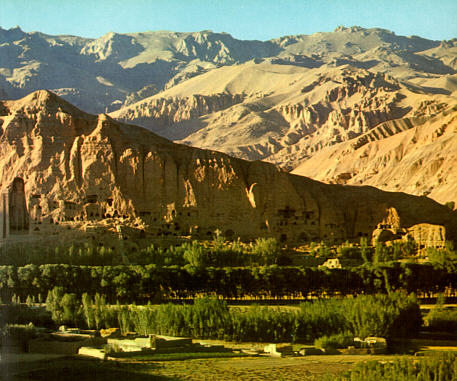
[282,101]
[96,74]
[100,74]
[419,160]
[80,171]
[282,113]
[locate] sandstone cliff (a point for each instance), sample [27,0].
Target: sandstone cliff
[281,113]
[81,171]
[420,159]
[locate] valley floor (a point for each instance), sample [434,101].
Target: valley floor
[250,368]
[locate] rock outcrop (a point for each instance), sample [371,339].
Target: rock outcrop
[420,159]
[284,114]
[99,74]
[166,112]
[94,174]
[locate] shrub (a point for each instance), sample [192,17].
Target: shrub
[23,314]
[336,341]
[441,320]
[54,305]
[438,367]
[267,250]
[19,333]
[443,258]
[384,315]
[321,317]
[347,251]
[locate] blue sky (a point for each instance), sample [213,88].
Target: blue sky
[248,19]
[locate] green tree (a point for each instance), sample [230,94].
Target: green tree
[88,310]
[54,305]
[70,309]
[268,250]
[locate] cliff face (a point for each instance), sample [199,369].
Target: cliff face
[174,110]
[103,73]
[281,113]
[79,168]
[420,159]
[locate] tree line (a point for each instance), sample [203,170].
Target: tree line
[216,253]
[396,314]
[142,283]
[213,253]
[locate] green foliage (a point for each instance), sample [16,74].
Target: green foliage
[212,319]
[382,253]
[440,318]
[365,252]
[54,304]
[267,250]
[15,313]
[88,311]
[439,367]
[405,249]
[64,308]
[443,258]
[268,323]
[321,251]
[140,284]
[321,317]
[335,341]
[70,309]
[384,315]
[395,251]
[450,205]
[84,254]
[347,251]
[67,308]
[217,252]
[444,320]
[97,313]
[196,255]
[20,332]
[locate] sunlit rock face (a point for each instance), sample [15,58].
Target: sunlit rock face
[86,172]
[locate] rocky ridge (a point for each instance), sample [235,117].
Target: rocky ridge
[285,114]
[419,160]
[100,74]
[91,173]
[281,101]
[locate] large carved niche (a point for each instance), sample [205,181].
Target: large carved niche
[18,216]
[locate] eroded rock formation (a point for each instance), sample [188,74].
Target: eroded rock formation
[163,112]
[284,114]
[93,173]
[420,158]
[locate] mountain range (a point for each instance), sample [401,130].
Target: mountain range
[352,106]
[65,172]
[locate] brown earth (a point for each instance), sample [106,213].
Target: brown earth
[420,160]
[309,368]
[90,173]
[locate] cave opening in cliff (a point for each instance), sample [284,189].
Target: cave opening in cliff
[17,207]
